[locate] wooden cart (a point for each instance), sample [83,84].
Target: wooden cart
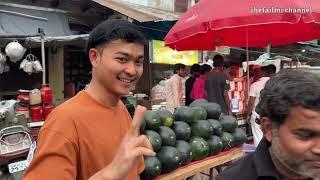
[207,164]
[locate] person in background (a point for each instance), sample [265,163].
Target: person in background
[290,119]
[208,61]
[254,95]
[199,87]
[174,87]
[195,73]
[218,85]
[92,136]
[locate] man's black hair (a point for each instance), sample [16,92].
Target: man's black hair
[205,68]
[178,66]
[195,68]
[288,89]
[116,29]
[218,60]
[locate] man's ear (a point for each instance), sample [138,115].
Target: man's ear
[266,127]
[94,57]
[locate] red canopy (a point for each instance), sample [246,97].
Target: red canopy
[259,23]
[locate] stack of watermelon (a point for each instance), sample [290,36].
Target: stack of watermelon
[189,134]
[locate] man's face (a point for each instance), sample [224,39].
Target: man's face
[297,142]
[182,72]
[118,66]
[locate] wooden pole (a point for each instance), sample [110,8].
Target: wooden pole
[43,56]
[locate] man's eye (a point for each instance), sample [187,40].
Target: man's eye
[122,60]
[305,135]
[139,62]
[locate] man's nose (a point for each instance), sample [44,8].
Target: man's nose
[130,68]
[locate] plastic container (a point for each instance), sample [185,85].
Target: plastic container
[23,97]
[36,113]
[46,111]
[46,94]
[35,97]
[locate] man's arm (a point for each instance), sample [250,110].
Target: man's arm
[227,99]
[252,99]
[177,91]
[225,93]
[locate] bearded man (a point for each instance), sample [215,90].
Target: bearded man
[289,108]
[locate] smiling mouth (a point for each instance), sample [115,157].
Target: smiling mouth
[126,80]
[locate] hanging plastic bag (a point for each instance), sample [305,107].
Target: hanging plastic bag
[28,67]
[3,58]
[23,63]
[15,51]
[37,66]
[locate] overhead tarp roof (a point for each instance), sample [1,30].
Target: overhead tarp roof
[25,20]
[139,12]
[80,40]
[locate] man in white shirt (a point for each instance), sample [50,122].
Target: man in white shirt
[174,87]
[254,96]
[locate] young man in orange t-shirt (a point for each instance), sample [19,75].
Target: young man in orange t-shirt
[92,136]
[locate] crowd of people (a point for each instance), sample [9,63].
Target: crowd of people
[205,82]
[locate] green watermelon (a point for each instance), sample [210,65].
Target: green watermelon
[185,151]
[213,110]
[229,123]
[152,168]
[183,113]
[152,119]
[200,148]
[239,137]
[217,128]
[166,117]
[227,140]
[215,145]
[202,129]
[167,135]
[182,130]
[198,103]
[154,138]
[169,158]
[199,114]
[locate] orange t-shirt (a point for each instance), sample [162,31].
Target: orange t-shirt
[79,138]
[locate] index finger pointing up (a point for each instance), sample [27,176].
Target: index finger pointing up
[137,119]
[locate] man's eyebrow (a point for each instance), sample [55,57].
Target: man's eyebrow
[127,54]
[305,130]
[122,53]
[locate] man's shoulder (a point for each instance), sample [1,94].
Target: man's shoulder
[243,169]
[62,117]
